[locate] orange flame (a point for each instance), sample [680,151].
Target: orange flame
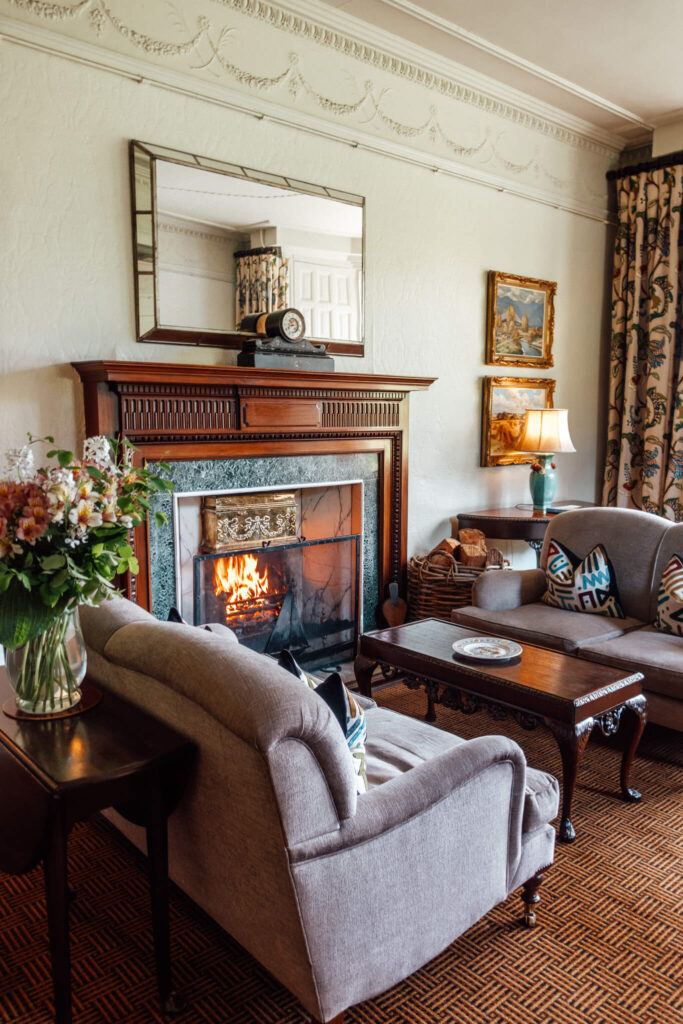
[239,579]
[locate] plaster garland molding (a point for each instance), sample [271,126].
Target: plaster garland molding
[445,76]
[478,93]
[44,39]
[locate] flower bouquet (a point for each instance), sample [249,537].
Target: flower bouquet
[63,542]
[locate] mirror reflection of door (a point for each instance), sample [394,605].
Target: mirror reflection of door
[227,241]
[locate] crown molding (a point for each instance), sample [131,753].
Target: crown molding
[449,27]
[371,45]
[148,75]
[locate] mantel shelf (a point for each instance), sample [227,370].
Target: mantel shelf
[114,371]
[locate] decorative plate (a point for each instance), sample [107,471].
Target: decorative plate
[487,648]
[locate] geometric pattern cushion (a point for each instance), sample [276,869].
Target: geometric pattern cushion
[581,585]
[345,709]
[670,598]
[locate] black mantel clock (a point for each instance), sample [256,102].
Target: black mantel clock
[277,341]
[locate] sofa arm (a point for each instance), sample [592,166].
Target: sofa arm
[414,792]
[500,589]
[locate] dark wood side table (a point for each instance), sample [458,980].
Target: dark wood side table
[541,687]
[514,523]
[56,772]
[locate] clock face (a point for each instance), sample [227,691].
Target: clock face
[293,325]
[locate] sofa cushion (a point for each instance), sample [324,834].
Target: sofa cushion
[396,743]
[541,799]
[343,705]
[670,598]
[537,623]
[583,585]
[658,655]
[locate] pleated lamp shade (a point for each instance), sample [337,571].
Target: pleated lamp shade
[545,431]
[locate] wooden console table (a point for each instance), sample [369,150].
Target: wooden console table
[56,772]
[514,524]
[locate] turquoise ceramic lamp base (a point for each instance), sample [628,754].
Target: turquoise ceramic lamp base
[542,482]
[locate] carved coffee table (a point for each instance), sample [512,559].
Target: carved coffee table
[567,694]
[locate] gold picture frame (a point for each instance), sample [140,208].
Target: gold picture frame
[520,320]
[504,401]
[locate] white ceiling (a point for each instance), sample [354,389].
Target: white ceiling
[238,204]
[615,63]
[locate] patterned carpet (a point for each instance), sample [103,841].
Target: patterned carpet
[608,949]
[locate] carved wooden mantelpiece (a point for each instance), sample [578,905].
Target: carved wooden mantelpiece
[176,411]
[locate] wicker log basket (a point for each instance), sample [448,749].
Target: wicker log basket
[436,585]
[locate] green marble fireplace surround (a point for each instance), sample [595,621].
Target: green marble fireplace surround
[224,475]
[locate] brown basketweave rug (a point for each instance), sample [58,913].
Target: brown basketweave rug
[608,948]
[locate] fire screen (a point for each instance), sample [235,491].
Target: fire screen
[302,596]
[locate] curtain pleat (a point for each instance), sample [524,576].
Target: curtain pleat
[261,282]
[644,466]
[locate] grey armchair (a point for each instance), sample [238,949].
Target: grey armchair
[339,895]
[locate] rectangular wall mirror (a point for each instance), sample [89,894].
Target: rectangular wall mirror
[215,241]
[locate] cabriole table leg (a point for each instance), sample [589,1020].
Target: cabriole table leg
[572,743]
[634,719]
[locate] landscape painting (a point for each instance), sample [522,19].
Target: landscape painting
[505,401]
[521,317]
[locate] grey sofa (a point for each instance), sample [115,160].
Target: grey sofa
[639,546]
[338,895]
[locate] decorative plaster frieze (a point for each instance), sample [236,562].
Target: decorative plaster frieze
[487,159]
[179,229]
[306,27]
[101,14]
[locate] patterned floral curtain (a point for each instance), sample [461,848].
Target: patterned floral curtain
[262,281]
[645,425]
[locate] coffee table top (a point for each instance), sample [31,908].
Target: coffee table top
[540,681]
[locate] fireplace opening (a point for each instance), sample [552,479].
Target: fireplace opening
[304,596]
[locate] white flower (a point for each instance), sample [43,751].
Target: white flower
[83,515]
[20,463]
[97,450]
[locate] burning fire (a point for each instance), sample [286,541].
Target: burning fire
[239,579]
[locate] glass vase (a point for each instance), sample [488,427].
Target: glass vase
[46,673]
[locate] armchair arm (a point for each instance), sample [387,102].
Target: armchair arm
[400,799]
[500,589]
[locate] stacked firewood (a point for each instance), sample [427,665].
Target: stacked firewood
[469,548]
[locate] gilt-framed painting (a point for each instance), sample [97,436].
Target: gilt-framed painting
[505,401]
[520,320]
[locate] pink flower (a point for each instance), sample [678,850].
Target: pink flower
[29,530]
[9,498]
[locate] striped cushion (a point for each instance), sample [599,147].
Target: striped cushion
[670,598]
[345,708]
[581,585]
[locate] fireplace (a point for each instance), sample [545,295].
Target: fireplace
[281,568]
[302,596]
[228,429]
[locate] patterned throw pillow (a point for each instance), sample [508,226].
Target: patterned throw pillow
[581,585]
[345,709]
[670,598]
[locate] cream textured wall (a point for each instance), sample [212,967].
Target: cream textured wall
[668,138]
[67,289]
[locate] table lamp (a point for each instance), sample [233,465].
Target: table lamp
[545,432]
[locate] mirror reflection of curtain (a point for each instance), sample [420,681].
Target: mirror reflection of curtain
[645,433]
[261,281]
